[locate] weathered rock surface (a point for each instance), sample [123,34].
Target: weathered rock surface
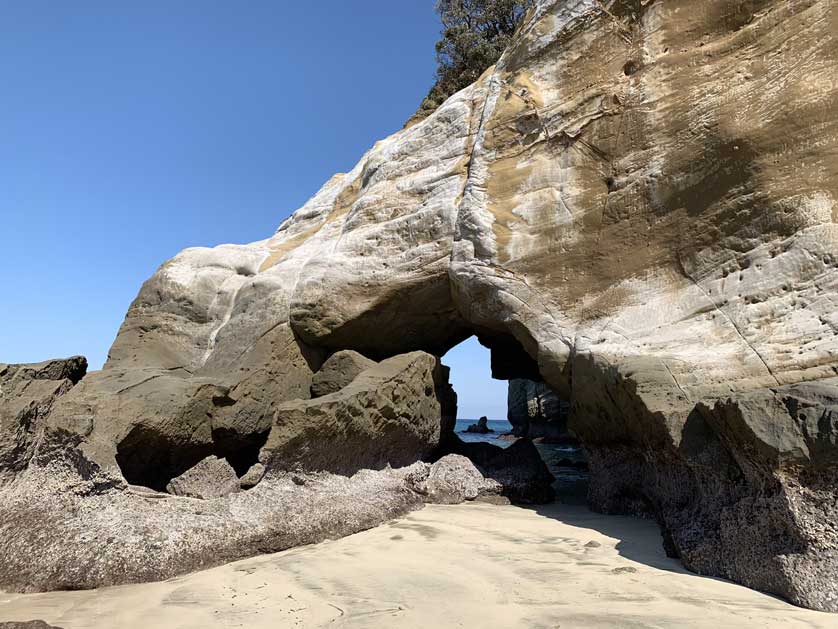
[209,478]
[455,479]
[339,370]
[93,532]
[637,206]
[29,624]
[391,414]
[27,394]
[252,476]
[534,410]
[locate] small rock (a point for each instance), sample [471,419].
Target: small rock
[593,544]
[210,478]
[624,570]
[252,476]
[482,426]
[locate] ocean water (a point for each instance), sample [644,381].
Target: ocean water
[566,462]
[500,426]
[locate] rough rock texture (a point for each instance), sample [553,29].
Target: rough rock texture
[454,479]
[390,414]
[27,394]
[518,469]
[534,410]
[93,532]
[252,476]
[637,206]
[210,478]
[339,370]
[29,624]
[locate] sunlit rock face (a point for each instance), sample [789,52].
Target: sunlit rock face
[642,197]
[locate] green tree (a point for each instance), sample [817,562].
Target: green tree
[474,35]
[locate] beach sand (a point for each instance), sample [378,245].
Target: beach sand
[472,565]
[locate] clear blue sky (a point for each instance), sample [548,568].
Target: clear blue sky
[131,130]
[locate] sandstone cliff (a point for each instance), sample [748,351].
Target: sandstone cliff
[637,205]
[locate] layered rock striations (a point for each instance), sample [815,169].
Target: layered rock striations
[536,411]
[636,206]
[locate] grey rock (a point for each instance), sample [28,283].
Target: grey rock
[519,469]
[454,479]
[27,395]
[339,370]
[29,624]
[252,477]
[209,478]
[120,537]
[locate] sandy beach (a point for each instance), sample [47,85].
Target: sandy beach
[472,565]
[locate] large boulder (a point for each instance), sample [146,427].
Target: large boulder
[339,370]
[391,414]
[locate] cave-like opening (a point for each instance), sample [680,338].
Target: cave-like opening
[503,387]
[151,458]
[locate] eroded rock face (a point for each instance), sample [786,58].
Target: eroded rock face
[390,414]
[534,410]
[27,395]
[640,199]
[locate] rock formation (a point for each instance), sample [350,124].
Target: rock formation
[481,427]
[637,206]
[534,410]
[454,479]
[209,478]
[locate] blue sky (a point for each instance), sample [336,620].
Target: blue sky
[131,130]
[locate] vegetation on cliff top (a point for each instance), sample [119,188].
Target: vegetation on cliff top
[474,35]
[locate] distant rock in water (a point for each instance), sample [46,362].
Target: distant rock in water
[482,426]
[637,207]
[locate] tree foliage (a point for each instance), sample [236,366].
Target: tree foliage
[474,35]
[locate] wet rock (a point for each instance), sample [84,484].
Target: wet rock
[481,427]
